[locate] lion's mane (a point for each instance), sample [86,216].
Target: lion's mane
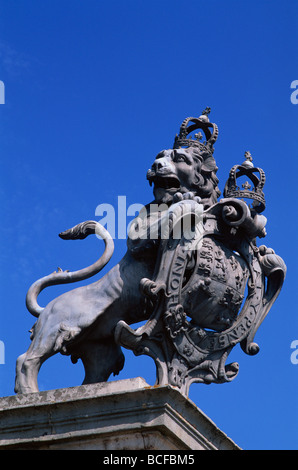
[206,181]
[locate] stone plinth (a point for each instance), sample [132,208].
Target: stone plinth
[120,415]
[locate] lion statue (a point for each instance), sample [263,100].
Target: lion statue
[81,322]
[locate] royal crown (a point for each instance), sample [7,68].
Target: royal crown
[192,124]
[252,191]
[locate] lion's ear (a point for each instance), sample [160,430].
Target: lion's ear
[209,164]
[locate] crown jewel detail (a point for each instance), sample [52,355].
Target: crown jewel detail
[191,124]
[252,191]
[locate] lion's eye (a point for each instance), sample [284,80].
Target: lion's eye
[180,158]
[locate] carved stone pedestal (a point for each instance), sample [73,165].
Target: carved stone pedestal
[120,415]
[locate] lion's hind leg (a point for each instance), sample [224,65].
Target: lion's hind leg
[20,385]
[28,365]
[47,340]
[27,369]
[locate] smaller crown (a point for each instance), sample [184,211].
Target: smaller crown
[254,191]
[191,124]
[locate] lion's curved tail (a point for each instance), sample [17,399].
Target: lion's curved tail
[80,231]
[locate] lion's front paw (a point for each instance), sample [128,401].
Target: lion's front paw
[178,197]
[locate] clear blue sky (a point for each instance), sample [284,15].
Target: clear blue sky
[93,91]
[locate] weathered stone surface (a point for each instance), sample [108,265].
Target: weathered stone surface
[120,415]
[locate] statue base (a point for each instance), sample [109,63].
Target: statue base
[119,415]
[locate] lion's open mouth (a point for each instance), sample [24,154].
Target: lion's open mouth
[165,182]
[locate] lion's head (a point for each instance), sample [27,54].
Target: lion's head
[185,170]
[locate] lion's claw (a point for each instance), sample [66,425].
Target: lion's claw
[178,197]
